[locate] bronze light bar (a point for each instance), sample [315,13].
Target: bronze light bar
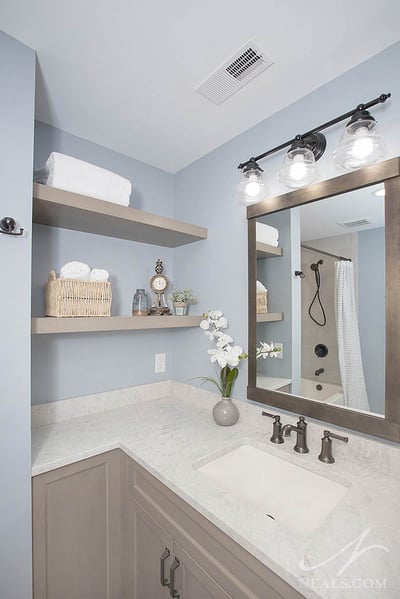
[318,140]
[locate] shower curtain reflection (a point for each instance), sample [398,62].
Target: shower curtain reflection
[348,338]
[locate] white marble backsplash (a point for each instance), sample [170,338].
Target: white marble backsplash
[58,411]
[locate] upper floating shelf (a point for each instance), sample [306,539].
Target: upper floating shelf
[267,251]
[59,208]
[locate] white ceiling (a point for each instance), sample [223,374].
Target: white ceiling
[123,73]
[325,215]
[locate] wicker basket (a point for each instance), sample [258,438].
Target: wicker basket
[262,302]
[67,297]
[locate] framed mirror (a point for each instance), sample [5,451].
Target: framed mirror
[324,293]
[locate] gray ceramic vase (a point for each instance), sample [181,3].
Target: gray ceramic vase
[225,412]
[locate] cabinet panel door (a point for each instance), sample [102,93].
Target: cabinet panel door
[76,530]
[150,541]
[192,582]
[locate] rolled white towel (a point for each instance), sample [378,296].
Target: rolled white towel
[79,271]
[78,176]
[260,287]
[267,234]
[99,274]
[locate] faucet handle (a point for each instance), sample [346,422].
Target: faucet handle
[277,430]
[334,436]
[326,446]
[276,417]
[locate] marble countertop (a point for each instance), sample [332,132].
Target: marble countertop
[354,554]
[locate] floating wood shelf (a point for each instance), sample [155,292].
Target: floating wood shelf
[267,251]
[270,317]
[68,210]
[49,325]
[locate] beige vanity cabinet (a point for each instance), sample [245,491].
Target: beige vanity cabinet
[151,548]
[209,564]
[77,530]
[154,553]
[105,528]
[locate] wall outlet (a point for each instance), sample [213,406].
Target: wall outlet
[159,363]
[280,354]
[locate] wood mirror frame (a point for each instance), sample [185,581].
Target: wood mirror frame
[387,427]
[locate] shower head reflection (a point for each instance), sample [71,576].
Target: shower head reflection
[315,266]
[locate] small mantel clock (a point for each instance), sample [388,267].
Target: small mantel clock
[159,285]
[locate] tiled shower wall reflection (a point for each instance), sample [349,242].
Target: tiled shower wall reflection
[312,334]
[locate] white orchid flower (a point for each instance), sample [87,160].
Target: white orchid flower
[211,335]
[223,339]
[267,350]
[204,325]
[232,355]
[218,355]
[214,314]
[221,323]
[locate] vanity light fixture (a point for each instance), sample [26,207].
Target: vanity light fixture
[251,187]
[360,145]
[299,167]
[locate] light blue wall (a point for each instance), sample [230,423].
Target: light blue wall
[17,76]
[205,193]
[66,366]
[153,189]
[371,312]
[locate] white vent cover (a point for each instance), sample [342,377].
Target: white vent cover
[359,222]
[235,73]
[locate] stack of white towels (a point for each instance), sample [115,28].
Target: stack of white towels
[267,234]
[78,176]
[261,288]
[79,271]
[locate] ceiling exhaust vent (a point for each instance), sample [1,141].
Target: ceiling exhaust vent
[359,222]
[235,73]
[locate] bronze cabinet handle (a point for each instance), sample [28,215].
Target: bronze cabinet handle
[164,581]
[172,591]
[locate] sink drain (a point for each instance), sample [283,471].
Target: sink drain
[270,516]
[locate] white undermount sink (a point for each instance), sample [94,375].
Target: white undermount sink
[297,498]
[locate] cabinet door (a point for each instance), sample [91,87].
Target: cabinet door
[191,581]
[150,542]
[76,530]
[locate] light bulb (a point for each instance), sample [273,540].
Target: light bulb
[360,144]
[299,168]
[251,187]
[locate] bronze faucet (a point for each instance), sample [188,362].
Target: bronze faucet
[277,429]
[326,447]
[301,430]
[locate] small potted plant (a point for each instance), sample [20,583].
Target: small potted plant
[181,301]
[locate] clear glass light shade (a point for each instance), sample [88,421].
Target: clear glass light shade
[360,145]
[251,188]
[299,168]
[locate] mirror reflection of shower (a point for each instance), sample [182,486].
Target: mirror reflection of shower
[317,241]
[341,333]
[317,298]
